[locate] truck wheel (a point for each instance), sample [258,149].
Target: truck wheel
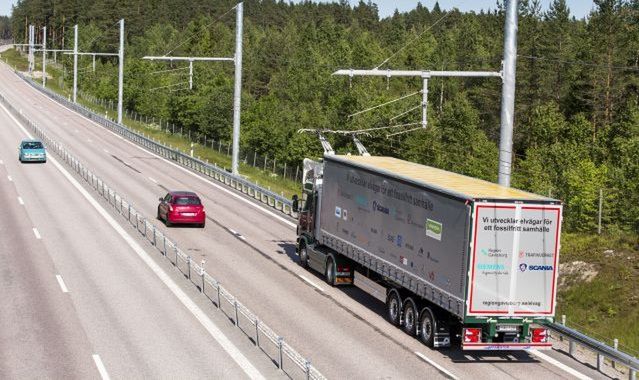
[393,307]
[410,317]
[427,327]
[330,272]
[303,256]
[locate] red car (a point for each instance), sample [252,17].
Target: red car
[183,207]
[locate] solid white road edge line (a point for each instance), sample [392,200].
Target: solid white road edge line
[98,363]
[20,201]
[311,283]
[559,365]
[36,233]
[62,284]
[9,178]
[205,321]
[153,180]
[288,222]
[440,368]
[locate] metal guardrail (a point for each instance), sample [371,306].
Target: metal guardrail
[273,345]
[247,187]
[602,350]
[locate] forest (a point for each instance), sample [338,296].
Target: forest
[576,130]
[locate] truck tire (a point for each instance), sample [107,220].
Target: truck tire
[410,319]
[303,255]
[427,327]
[393,307]
[329,272]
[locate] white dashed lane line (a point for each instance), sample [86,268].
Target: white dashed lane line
[98,363]
[36,233]
[9,178]
[63,286]
[439,367]
[153,180]
[311,283]
[20,201]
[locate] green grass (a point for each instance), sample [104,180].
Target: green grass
[608,306]
[261,177]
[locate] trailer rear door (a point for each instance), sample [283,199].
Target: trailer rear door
[514,259]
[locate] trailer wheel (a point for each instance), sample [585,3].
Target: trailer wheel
[329,273]
[303,256]
[427,327]
[393,307]
[410,317]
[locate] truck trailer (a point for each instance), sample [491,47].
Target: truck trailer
[462,259]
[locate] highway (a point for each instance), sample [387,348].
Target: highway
[77,300]
[251,251]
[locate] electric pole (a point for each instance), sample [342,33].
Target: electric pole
[508,94]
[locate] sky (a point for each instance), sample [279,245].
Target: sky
[578,8]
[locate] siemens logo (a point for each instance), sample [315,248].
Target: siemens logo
[380,208]
[491,266]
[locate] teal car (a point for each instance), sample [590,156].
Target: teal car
[32,151]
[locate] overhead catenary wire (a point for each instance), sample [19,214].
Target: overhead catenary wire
[406,112]
[384,104]
[168,86]
[413,40]
[196,33]
[169,70]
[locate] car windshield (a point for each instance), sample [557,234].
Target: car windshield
[32,145]
[187,201]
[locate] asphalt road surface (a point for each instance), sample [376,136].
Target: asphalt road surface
[251,250]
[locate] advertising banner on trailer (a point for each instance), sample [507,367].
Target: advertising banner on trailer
[514,259]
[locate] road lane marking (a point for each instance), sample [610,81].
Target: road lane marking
[105,151]
[559,365]
[62,284]
[204,320]
[1,162]
[89,140]
[20,201]
[224,189]
[98,363]
[311,283]
[152,180]
[36,233]
[9,178]
[437,366]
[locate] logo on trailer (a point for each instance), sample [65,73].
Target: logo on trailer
[381,208]
[338,211]
[523,267]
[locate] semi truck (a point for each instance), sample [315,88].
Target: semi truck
[463,260]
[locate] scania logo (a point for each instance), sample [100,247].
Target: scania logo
[380,208]
[523,267]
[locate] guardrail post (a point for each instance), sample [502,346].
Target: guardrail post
[279,346]
[632,375]
[600,362]
[308,370]
[129,215]
[176,255]
[257,332]
[164,251]
[218,295]
[237,322]
[202,275]
[571,347]
[188,266]
[154,237]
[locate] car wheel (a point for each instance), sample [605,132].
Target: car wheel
[410,317]
[303,256]
[329,273]
[427,327]
[393,307]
